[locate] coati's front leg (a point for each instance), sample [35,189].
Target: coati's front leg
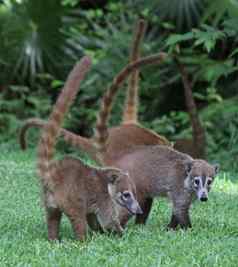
[180,214]
[146,207]
[181,219]
[53,217]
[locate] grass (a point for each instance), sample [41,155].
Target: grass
[213,240]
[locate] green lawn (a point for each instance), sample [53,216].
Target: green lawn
[213,240]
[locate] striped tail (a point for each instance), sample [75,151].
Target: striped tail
[101,131]
[131,103]
[34,122]
[47,170]
[74,140]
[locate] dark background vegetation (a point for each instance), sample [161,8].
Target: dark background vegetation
[41,40]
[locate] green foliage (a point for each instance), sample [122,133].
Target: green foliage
[173,126]
[25,103]
[217,10]
[33,40]
[221,120]
[183,14]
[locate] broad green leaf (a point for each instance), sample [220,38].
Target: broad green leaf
[177,38]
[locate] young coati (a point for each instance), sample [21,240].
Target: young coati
[123,137]
[73,188]
[120,138]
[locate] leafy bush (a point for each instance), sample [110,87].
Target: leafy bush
[221,120]
[17,103]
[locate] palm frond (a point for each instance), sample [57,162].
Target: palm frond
[33,40]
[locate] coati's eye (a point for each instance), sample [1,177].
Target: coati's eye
[209,182]
[196,182]
[114,177]
[126,195]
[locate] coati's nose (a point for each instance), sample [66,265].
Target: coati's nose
[203,198]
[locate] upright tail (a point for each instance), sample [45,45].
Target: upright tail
[101,131]
[131,103]
[46,168]
[74,140]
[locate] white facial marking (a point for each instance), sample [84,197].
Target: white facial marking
[208,181]
[187,182]
[111,189]
[197,181]
[202,189]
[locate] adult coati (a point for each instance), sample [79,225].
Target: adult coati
[74,188]
[162,171]
[123,137]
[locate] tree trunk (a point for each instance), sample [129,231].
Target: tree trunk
[198,132]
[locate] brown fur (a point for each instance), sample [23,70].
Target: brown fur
[71,187]
[131,103]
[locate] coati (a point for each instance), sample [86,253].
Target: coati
[122,137]
[162,171]
[71,187]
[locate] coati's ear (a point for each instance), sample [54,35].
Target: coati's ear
[188,164]
[216,168]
